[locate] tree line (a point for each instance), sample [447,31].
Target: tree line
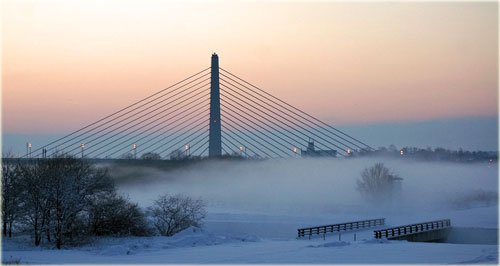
[426,154]
[65,200]
[432,154]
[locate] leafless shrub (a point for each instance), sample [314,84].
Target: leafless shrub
[172,214]
[112,214]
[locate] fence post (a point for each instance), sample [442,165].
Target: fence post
[339,236]
[354,236]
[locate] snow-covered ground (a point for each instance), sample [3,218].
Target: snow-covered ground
[243,238]
[258,238]
[242,228]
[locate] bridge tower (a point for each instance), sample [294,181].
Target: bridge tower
[214,138]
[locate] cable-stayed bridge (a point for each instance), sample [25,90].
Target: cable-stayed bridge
[211,113]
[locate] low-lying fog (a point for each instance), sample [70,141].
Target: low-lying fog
[313,185]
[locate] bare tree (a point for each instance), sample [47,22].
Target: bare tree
[378,183]
[11,194]
[150,156]
[172,214]
[57,191]
[72,182]
[36,198]
[176,154]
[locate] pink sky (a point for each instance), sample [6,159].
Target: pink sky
[68,63]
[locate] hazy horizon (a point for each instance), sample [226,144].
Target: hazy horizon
[472,133]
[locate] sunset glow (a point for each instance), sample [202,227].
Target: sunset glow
[346,63]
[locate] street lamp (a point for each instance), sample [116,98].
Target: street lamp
[134,147]
[82,147]
[186,149]
[242,150]
[349,152]
[401,152]
[28,149]
[295,151]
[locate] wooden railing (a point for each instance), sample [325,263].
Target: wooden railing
[339,227]
[412,229]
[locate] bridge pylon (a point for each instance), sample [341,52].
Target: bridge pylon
[175,119]
[214,139]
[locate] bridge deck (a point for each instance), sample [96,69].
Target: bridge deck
[395,232]
[349,226]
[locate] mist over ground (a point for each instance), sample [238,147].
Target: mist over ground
[313,186]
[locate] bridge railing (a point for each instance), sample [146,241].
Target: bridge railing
[412,229]
[302,232]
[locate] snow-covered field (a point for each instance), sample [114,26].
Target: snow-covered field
[255,209]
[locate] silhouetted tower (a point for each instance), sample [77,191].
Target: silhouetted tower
[214,141]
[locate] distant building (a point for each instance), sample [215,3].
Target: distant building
[312,152]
